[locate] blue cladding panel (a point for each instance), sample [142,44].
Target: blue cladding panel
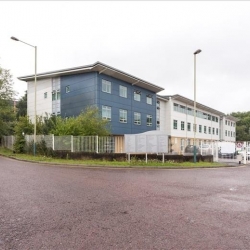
[83,93]
[86,90]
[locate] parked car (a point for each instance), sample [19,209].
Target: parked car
[189,149]
[206,149]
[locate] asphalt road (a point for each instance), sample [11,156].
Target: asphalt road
[52,207]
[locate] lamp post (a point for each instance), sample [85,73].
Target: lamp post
[35,47]
[195,53]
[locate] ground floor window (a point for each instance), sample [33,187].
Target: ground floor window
[106,113]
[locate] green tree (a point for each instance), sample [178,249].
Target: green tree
[7,95]
[22,106]
[242,126]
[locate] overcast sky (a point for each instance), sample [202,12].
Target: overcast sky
[152,40]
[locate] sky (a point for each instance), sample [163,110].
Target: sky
[152,40]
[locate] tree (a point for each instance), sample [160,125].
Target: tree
[88,123]
[7,95]
[22,106]
[243,126]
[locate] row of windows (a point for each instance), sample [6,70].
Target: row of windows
[56,95]
[205,129]
[229,133]
[190,111]
[123,116]
[229,123]
[123,92]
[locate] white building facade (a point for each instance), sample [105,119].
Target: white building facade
[176,115]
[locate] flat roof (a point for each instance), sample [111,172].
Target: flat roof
[100,68]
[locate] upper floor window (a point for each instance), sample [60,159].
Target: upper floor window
[45,95]
[213,131]
[175,124]
[137,96]
[217,131]
[106,113]
[53,96]
[182,125]
[205,129]
[123,115]
[149,120]
[137,118]
[189,126]
[200,128]
[58,95]
[106,86]
[149,100]
[67,89]
[123,91]
[209,130]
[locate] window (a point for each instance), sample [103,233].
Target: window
[149,100]
[123,115]
[217,131]
[226,133]
[58,95]
[209,130]
[226,122]
[137,118]
[216,119]
[205,129]
[182,125]
[53,96]
[149,120]
[213,131]
[106,113]
[175,124]
[189,126]
[176,107]
[137,96]
[194,128]
[106,86]
[123,91]
[67,89]
[200,129]
[45,95]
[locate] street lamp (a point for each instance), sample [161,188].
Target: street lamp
[195,53]
[16,39]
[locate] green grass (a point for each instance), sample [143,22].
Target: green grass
[98,163]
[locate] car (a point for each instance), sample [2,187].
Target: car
[189,149]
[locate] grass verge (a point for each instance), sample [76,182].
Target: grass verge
[97,163]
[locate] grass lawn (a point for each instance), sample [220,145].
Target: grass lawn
[98,163]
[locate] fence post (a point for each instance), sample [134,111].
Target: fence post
[97,140]
[72,142]
[53,142]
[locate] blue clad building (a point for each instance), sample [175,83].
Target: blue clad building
[129,103]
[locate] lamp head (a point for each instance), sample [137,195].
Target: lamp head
[197,52]
[14,38]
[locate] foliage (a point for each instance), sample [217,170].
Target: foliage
[88,123]
[7,95]
[242,126]
[22,106]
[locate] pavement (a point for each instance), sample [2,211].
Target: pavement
[52,207]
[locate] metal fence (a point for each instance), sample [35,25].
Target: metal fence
[98,144]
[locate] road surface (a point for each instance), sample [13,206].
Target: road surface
[54,207]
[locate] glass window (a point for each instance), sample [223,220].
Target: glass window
[53,96]
[149,120]
[106,113]
[200,128]
[149,100]
[137,118]
[123,91]
[182,125]
[217,131]
[209,130]
[67,89]
[189,126]
[226,133]
[205,129]
[106,86]
[137,96]
[123,115]
[58,95]
[175,124]
[45,95]
[213,131]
